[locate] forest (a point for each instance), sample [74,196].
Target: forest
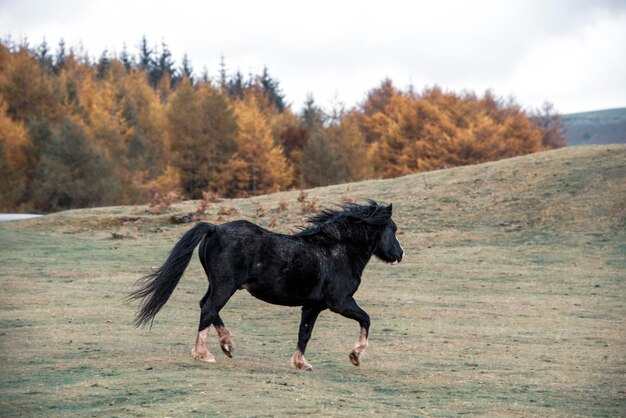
[78,131]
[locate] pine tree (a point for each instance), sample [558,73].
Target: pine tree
[126,59]
[13,160]
[71,174]
[104,63]
[59,61]
[320,162]
[351,150]
[236,86]
[145,55]
[186,70]
[271,90]
[44,59]
[163,68]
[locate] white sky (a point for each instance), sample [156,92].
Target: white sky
[572,53]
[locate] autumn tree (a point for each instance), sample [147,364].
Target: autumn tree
[148,142]
[259,165]
[350,148]
[26,90]
[293,137]
[202,133]
[437,129]
[128,125]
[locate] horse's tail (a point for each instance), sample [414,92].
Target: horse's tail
[158,287]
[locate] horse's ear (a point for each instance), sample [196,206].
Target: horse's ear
[390,208]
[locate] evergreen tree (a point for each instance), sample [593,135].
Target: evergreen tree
[350,149]
[223,75]
[271,90]
[164,67]
[186,70]
[13,160]
[313,117]
[126,59]
[236,86]
[44,58]
[104,63]
[59,61]
[320,163]
[146,59]
[71,174]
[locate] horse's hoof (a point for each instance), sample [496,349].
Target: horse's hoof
[306,367]
[228,350]
[354,358]
[206,357]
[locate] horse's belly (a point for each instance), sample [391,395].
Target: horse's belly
[278,293]
[274,298]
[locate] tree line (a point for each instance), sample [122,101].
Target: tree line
[81,132]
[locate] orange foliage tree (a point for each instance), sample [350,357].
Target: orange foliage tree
[77,132]
[259,165]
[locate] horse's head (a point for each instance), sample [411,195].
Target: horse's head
[389,248]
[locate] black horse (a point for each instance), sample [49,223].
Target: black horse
[317,268]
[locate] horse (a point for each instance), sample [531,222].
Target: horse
[317,268]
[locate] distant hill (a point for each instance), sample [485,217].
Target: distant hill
[597,127]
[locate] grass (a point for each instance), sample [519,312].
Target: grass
[510,302]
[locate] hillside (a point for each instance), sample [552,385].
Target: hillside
[597,127]
[509,302]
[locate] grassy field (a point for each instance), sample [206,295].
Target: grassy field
[511,301]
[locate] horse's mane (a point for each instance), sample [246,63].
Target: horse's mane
[372,213]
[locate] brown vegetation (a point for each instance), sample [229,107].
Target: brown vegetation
[74,133]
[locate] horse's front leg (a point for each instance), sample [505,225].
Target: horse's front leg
[350,309]
[307,322]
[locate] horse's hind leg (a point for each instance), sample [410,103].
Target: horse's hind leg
[212,303]
[225,338]
[223,334]
[200,350]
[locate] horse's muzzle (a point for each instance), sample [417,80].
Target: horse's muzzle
[393,263]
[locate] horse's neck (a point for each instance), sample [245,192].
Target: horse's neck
[361,251]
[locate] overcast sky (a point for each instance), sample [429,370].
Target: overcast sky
[571,53]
